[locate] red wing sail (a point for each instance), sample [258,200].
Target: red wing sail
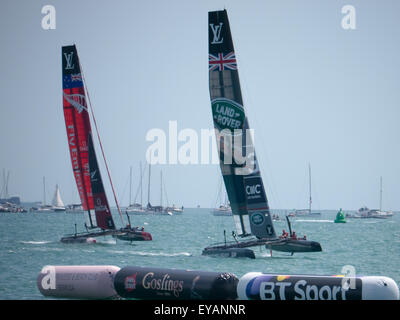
[103,213]
[77,123]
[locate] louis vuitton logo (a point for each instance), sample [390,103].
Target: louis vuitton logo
[68,59]
[216,29]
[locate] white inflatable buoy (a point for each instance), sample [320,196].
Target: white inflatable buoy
[262,286]
[78,282]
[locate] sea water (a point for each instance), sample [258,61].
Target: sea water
[29,241]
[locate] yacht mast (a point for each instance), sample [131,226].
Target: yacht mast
[380,197]
[161,189]
[309,173]
[141,190]
[130,186]
[44,191]
[148,189]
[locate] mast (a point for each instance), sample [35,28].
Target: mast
[243,182]
[130,186]
[44,191]
[161,189]
[380,197]
[141,190]
[148,189]
[8,178]
[309,175]
[4,184]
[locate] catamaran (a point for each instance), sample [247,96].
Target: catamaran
[99,220]
[243,181]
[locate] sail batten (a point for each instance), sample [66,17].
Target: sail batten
[243,181]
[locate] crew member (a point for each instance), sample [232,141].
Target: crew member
[284,234]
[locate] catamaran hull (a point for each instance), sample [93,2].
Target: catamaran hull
[78,240]
[229,252]
[241,249]
[88,237]
[135,236]
[291,245]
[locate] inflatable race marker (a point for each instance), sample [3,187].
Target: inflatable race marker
[261,286]
[173,284]
[78,282]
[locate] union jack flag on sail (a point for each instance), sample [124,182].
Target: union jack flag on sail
[222,62]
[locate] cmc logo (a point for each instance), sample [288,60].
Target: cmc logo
[257,218]
[252,190]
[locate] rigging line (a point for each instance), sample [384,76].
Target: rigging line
[4,183]
[124,190]
[165,192]
[136,194]
[218,193]
[138,187]
[101,146]
[268,172]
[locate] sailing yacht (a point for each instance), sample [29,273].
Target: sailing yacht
[381,214]
[243,180]
[136,208]
[365,213]
[43,208]
[224,208]
[307,212]
[74,208]
[160,210]
[57,203]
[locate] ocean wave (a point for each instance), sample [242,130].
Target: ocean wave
[155,254]
[312,220]
[35,242]
[162,254]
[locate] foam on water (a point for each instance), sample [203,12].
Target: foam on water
[36,242]
[160,254]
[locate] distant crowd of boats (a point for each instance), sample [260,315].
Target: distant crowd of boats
[7,206]
[12,205]
[362,213]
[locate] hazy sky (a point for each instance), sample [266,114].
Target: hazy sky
[313,92]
